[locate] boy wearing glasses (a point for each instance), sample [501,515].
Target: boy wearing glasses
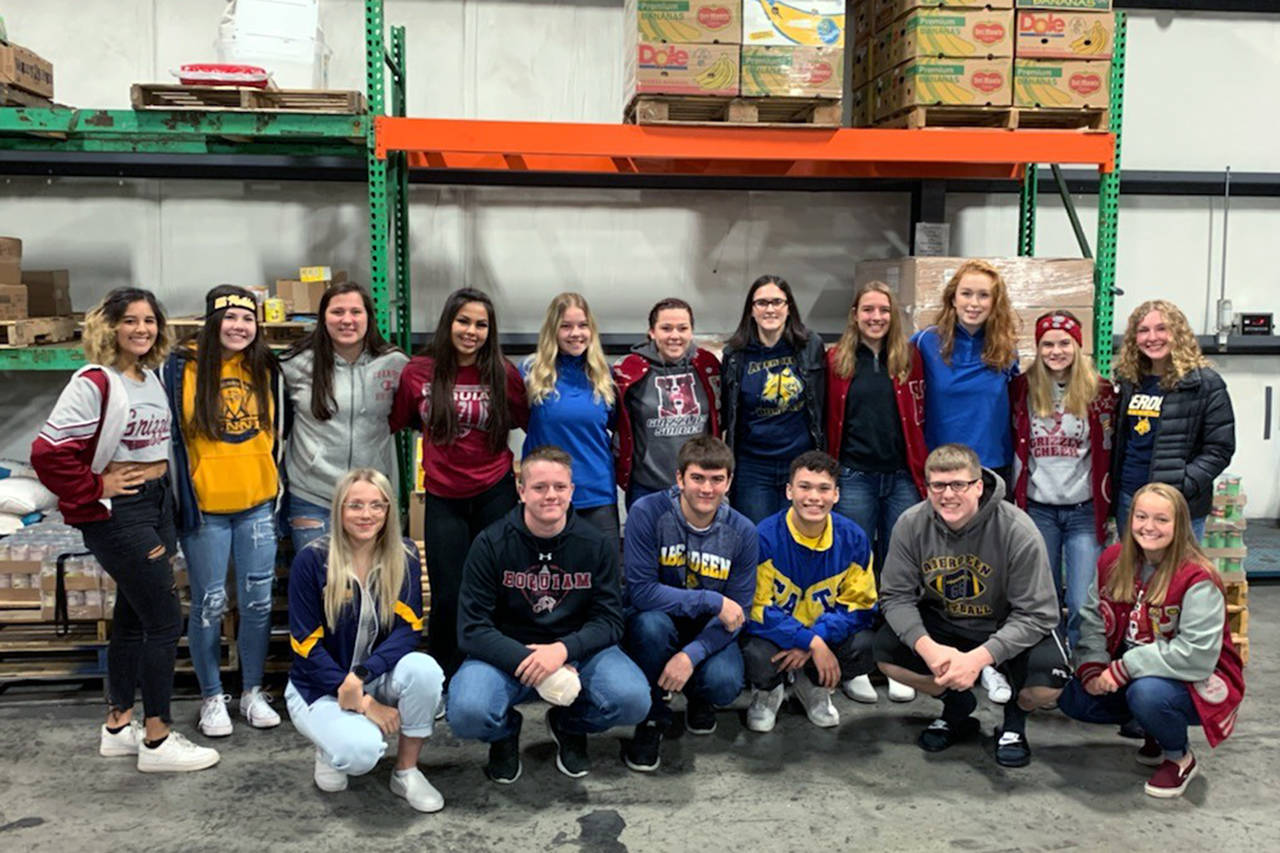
[815,600]
[966,584]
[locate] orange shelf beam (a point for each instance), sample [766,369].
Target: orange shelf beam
[797,152]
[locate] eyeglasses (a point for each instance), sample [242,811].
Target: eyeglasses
[957,486]
[776,302]
[375,507]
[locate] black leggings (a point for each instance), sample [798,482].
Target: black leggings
[854,655]
[135,547]
[448,528]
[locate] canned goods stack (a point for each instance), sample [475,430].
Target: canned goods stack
[1224,543]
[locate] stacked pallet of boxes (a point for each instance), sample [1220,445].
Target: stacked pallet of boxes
[35,305]
[26,79]
[1224,544]
[685,48]
[1062,63]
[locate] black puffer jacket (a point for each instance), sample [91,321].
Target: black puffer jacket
[1195,437]
[811,361]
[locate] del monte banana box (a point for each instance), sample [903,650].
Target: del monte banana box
[887,11]
[961,33]
[795,72]
[1050,34]
[952,82]
[664,68]
[1061,83]
[810,23]
[684,21]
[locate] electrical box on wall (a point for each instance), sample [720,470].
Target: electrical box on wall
[1254,323]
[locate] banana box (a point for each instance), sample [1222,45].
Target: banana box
[684,21]
[1076,5]
[1061,83]
[951,82]
[665,68]
[860,19]
[888,11]
[961,33]
[860,100]
[810,23]
[1049,34]
[791,72]
[860,65]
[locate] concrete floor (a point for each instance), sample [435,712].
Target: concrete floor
[864,784]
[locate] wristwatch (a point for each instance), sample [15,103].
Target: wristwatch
[362,672]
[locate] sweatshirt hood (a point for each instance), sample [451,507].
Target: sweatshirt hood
[993,491]
[648,350]
[673,497]
[515,524]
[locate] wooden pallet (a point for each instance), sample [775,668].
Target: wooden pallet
[1009,118]
[1237,593]
[706,110]
[12,96]
[1238,619]
[166,96]
[33,331]
[1242,646]
[275,334]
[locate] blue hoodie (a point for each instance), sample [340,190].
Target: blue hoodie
[573,419]
[966,402]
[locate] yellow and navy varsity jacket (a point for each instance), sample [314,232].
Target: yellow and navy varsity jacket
[806,586]
[321,652]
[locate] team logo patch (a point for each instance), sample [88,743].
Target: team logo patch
[1212,690]
[959,580]
[676,397]
[240,421]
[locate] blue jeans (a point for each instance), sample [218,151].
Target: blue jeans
[653,638]
[1162,706]
[295,509]
[1120,510]
[759,487]
[481,696]
[350,741]
[248,539]
[874,502]
[1071,539]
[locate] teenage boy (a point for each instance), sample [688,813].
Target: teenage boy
[815,600]
[966,584]
[690,563]
[540,613]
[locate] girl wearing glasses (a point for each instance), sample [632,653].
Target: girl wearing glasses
[1062,413]
[355,618]
[228,413]
[772,386]
[465,397]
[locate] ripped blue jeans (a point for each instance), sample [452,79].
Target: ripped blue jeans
[247,539]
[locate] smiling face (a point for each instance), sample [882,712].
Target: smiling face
[138,329]
[239,328]
[573,334]
[673,333]
[545,489]
[1152,523]
[812,495]
[955,495]
[346,321]
[769,310]
[975,296]
[1057,351]
[364,512]
[702,490]
[1153,338]
[873,315]
[469,331]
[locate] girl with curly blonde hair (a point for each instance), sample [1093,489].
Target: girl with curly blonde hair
[1174,421]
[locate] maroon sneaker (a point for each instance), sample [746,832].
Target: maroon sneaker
[1170,781]
[1150,755]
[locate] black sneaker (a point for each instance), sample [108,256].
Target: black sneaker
[941,735]
[641,754]
[1012,749]
[504,765]
[699,717]
[571,749]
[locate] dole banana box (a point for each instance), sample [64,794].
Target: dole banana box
[1074,5]
[1050,34]
[860,17]
[953,82]
[1061,83]
[860,65]
[666,68]
[888,11]
[683,21]
[791,72]
[860,102]
[809,23]
[961,33]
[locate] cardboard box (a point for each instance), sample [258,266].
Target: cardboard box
[887,11]
[13,302]
[48,292]
[10,272]
[961,33]
[301,297]
[10,249]
[811,23]
[1061,83]
[1051,34]
[683,21]
[657,68]
[860,66]
[794,72]
[861,17]
[860,104]
[961,82]
[1075,5]
[26,70]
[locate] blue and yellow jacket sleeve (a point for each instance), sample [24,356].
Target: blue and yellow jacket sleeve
[406,632]
[311,659]
[768,620]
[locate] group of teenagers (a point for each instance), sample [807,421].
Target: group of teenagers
[797,518]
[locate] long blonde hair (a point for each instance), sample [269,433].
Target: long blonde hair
[100,341]
[1184,352]
[898,353]
[1001,326]
[1082,380]
[390,558]
[1183,549]
[541,379]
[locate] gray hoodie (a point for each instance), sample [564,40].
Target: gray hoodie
[990,577]
[668,408]
[356,436]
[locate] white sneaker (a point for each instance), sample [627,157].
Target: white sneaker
[214,719]
[124,742]
[997,686]
[762,714]
[176,754]
[859,689]
[329,780]
[255,707]
[816,700]
[415,788]
[899,692]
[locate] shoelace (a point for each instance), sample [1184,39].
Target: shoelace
[225,698]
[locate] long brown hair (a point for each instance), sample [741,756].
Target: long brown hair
[1000,328]
[442,422]
[898,352]
[259,362]
[100,341]
[1082,379]
[793,330]
[1183,549]
[1184,351]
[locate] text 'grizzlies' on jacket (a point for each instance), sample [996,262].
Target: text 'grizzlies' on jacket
[990,576]
[518,589]
[807,586]
[358,435]
[322,653]
[687,573]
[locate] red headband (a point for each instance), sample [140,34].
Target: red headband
[1061,322]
